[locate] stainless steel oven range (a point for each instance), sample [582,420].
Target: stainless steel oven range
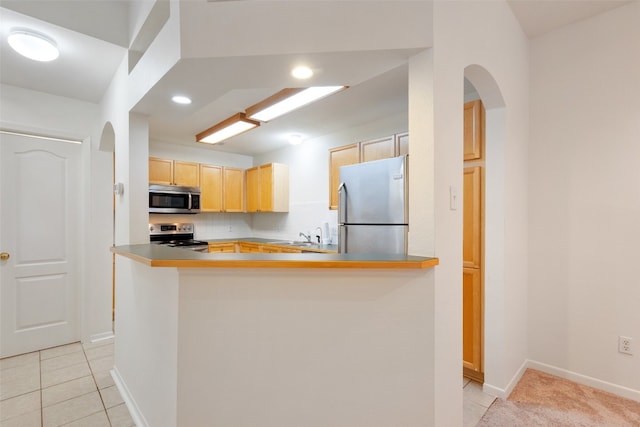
[177,234]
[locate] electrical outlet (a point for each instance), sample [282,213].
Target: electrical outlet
[625,345]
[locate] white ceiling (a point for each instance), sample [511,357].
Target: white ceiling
[92,36]
[538,17]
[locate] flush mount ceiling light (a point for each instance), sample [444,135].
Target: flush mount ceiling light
[234,125]
[302,72]
[33,45]
[288,100]
[179,99]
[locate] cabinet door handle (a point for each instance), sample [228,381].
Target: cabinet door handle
[4,256]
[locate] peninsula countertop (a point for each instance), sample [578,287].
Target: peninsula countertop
[164,256]
[291,244]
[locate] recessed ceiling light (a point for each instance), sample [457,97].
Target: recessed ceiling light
[302,72]
[295,139]
[33,45]
[179,99]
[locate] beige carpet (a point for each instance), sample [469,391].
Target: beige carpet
[540,399]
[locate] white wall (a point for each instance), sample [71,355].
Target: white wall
[296,347]
[146,353]
[485,34]
[286,27]
[37,112]
[584,199]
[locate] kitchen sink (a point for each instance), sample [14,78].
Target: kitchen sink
[303,244]
[293,243]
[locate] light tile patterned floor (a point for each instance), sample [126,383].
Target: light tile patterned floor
[71,386]
[68,385]
[475,402]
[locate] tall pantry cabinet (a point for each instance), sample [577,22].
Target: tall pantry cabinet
[473,242]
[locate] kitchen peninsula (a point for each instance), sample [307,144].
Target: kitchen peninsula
[273,339]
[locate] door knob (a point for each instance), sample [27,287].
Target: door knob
[4,256]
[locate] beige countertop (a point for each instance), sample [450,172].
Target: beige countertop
[164,256]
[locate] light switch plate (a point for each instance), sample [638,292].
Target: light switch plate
[453,198]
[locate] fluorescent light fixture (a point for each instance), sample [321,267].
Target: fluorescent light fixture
[179,99]
[302,72]
[33,45]
[288,100]
[234,125]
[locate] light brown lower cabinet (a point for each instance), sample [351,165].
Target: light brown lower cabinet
[222,247]
[471,323]
[249,247]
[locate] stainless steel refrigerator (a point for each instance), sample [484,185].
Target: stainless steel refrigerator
[373,212]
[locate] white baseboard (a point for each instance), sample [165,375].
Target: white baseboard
[504,393]
[616,389]
[101,337]
[136,415]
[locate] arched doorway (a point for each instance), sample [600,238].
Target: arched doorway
[108,144]
[491,288]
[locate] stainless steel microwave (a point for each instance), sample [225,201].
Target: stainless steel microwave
[174,199]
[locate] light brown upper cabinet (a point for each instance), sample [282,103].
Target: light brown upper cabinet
[173,172]
[222,189]
[472,217]
[233,189]
[268,188]
[376,149]
[473,130]
[364,151]
[210,188]
[341,156]
[160,171]
[402,144]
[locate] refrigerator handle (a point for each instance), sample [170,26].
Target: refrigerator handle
[342,203]
[342,239]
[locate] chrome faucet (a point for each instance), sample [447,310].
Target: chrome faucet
[306,237]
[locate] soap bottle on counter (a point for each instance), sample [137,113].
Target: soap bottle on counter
[326,237]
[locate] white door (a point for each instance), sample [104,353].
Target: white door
[39,200]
